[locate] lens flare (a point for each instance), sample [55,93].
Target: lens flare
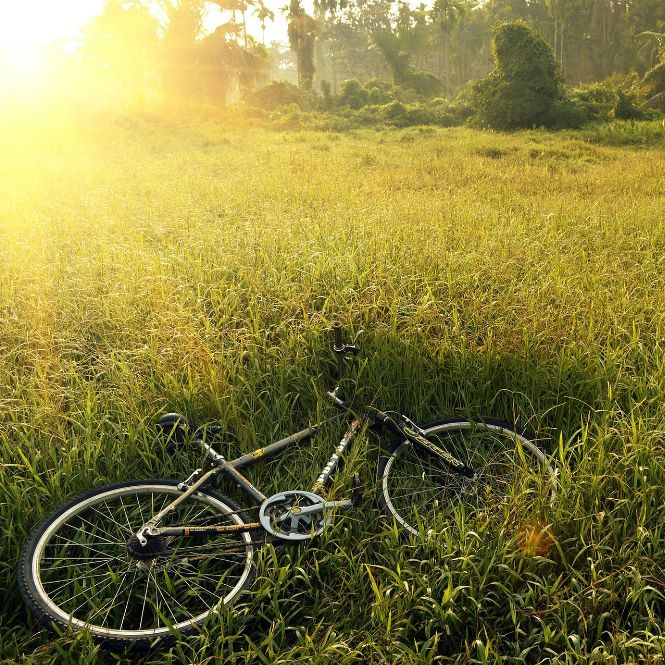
[534,538]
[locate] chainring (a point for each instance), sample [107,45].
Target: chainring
[279,515]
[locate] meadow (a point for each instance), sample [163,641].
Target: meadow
[150,267]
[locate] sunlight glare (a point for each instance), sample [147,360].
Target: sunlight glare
[27,25]
[31,35]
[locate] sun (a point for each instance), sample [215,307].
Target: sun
[29,27]
[32,23]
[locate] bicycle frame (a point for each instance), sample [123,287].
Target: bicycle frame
[361,417]
[219,465]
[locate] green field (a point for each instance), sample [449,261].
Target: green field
[149,268]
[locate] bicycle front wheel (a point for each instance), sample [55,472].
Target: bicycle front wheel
[422,493]
[78,571]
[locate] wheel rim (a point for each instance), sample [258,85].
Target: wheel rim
[419,491]
[86,577]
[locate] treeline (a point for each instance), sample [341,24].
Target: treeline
[524,89]
[591,39]
[136,49]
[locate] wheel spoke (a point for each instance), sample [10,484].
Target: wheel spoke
[420,488]
[101,586]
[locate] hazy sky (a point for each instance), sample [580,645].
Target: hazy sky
[29,23]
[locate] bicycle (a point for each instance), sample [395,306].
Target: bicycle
[138,562]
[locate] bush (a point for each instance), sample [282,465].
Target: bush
[394,111]
[617,97]
[353,94]
[567,113]
[279,93]
[397,114]
[443,113]
[325,92]
[424,84]
[626,107]
[380,91]
[435,112]
[375,92]
[525,83]
[653,85]
[596,99]
[288,116]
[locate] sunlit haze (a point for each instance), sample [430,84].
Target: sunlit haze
[34,35]
[26,25]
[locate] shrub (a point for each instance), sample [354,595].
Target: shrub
[279,93]
[375,92]
[653,85]
[625,106]
[353,94]
[325,92]
[525,83]
[615,97]
[443,113]
[567,113]
[288,116]
[395,113]
[424,84]
[595,99]
[380,91]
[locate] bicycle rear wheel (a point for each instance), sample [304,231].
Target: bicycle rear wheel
[77,570]
[422,493]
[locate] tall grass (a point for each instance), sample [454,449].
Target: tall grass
[148,268]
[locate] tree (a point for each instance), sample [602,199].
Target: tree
[397,57]
[184,22]
[525,84]
[263,13]
[401,46]
[447,14]
[120,48]
[325,13]
[302,30]
[654,80]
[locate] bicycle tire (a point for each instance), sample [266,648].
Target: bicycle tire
[186,582]
[429,495]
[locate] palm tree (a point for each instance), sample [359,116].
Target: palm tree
[302,31]
[654,80]
[448,14]
[325,12]
[263,13]
[232,6]
[182,28]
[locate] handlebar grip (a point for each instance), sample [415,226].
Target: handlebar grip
[338,339]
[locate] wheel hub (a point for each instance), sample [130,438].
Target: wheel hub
[151,550]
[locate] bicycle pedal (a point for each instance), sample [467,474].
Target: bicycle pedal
[357,491]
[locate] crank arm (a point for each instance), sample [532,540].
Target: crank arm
[316,508]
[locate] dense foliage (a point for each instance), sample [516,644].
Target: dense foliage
[524,85]
[133,54]
[523,90]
